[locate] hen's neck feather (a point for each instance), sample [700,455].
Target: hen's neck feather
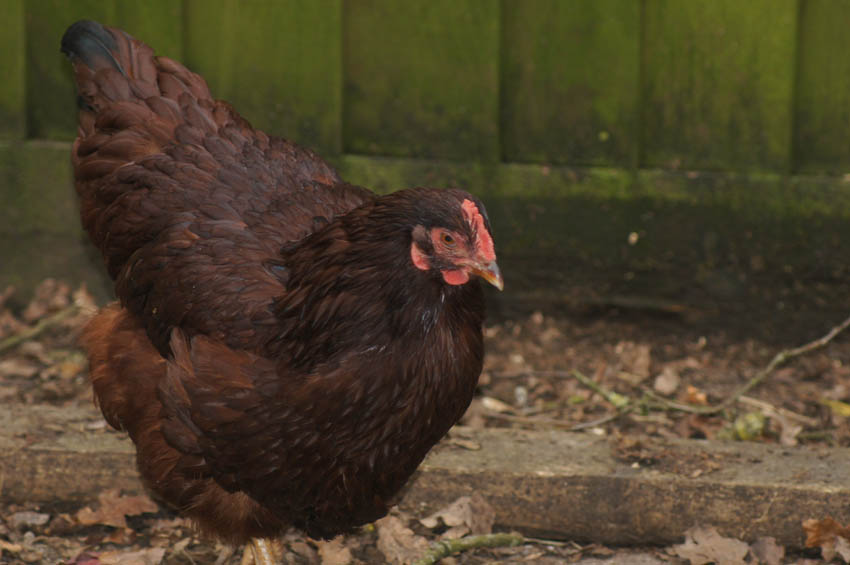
[352,289]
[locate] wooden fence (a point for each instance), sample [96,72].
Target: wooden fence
[715,131]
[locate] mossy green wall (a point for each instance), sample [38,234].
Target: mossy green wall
[707,128]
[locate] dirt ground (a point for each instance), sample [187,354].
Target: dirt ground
[609,372]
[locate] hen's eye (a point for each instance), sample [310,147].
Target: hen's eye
[448,239]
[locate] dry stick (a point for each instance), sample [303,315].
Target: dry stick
[778,359]
[769,409]
[43,324]
[552,422]
[618,400]
[448,547]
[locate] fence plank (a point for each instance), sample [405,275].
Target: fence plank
[278,63]
[52,110]
[570,81]
[159,23]
[421,78]
[822,110]
[12,53]
[718,84]
[40,233]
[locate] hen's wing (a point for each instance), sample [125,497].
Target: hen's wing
[187,202]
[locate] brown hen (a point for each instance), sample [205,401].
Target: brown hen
[286,347]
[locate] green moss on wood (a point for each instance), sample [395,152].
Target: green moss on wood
[822,109]
[278,63]
[570,81]
[421,78]
[37,194]
[12,62]
[159,23]
[718,84]
[51,97]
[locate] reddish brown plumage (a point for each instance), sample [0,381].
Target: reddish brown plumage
[276,355]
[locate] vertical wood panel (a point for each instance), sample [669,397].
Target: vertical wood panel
[278,63]
[12,61]
[822,111]
[37,196]
[159,23]
[51,108]
[421,78]
[570,81]
[719,83]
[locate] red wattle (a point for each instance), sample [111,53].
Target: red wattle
[455,277]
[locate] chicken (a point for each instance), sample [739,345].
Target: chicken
[286,347]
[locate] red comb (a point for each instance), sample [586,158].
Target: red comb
[476,220]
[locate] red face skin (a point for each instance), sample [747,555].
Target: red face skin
[476,257]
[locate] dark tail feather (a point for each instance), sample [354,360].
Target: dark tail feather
[91,43]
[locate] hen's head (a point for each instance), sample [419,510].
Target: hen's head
[452,236]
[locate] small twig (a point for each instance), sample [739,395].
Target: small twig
[42,325]
[555,543]
[618,400]
[601,421]
[445,548]
[541,422]
[530,421]
[769,410]
[817,435]
[780,358]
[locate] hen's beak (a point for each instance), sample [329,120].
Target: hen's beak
[489,272]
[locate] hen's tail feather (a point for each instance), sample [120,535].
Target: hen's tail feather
[111,66]
[92,44]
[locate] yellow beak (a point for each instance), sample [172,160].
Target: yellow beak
[489,272]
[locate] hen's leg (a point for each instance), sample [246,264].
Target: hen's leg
[261,551]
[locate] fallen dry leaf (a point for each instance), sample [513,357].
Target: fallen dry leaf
[10,547]
[788,432]
[150,556]
[171,525]
[466,515]
[36,350]
[305,552]
[695,396]
[496,405]
[767,551]
[705,545]
[18,367]
[113,507]
[85,558]
[49,296]
[334,552]
[667,381]
[397,542]
[464,443]
[635,360]
[28,519]
[84,299]
[830,536]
